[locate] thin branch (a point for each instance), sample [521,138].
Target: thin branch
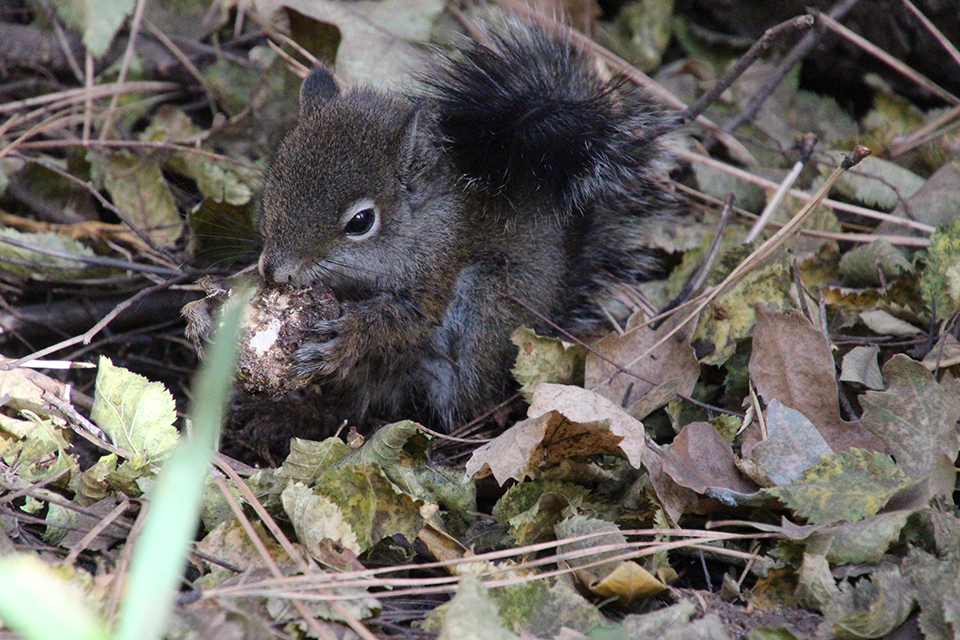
[99,261]
[770,37]
[932,28]
[87,336]
[806,149]
[762,252]
[833,204]
[802,48]
[887,59]
[124,67]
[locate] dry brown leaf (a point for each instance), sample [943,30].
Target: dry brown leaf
[670,370]
[565,422]
[792,362]
[945,353]
[700,458]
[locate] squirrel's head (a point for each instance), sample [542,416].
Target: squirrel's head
[356,196]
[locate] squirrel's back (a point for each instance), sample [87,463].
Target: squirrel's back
[529,121]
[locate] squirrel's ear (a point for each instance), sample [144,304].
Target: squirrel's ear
[419,152]
[318,88]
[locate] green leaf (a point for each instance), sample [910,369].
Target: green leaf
[940,281]
[38,605]
[859,267]
[581,525]
[846,486]
[542,359]
[862,542]
[139,190]
[874,182]
[309,459]
[544,608]
[937,584]
[43,264]
[98,20]
[136,413]
[473,615]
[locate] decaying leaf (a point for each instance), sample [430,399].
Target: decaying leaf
[26,263]
[473,615]
[844,486]
[653,381]
[547,608]
[733,314]
[860,366]
[792,446]
[544,359]
[564,422]
[940,280]
[946,353]
[862,266]
[99,23]
[701,460]
[869,608]
[874,182]
[792,363]
[936,581]
[140,191]
[916,420]
[862,542]
[885,323]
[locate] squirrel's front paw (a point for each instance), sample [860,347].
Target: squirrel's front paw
[334,352]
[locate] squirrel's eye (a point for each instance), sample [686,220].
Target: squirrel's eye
[361,221]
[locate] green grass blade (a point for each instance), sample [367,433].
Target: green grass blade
[160,555]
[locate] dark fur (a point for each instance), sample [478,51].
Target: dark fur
[517,172]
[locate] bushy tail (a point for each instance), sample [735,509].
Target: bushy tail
[528,114]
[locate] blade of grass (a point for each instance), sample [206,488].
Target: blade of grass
[161,551]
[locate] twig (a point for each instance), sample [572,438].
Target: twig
[932,28]
[770,37]
[889,60]
[806,149]
[925,133]
[91,535]
[863,238]
[308,618]
[553,325]
[96,92]
[697,278]
[762,252]
[124,67]
[833,204]
[97,260]
[106,204]
[802,48]
[185,61]
[86,337]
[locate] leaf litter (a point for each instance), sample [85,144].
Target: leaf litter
[782,463]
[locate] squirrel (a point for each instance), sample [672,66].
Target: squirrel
[512,171]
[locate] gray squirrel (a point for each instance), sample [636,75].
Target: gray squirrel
[511,171]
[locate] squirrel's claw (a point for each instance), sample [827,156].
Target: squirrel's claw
[335,354]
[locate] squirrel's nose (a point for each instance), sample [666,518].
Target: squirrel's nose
[275,269]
